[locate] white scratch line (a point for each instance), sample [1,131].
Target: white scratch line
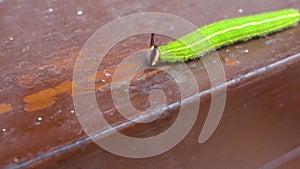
[282,159]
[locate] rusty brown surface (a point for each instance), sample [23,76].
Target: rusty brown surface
[40,41]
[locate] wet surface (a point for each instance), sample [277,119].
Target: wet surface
[40,41]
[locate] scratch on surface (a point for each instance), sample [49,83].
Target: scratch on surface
[281,160]
[56,66]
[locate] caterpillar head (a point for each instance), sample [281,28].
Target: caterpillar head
[153,56]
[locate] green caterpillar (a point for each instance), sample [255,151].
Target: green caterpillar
[222,33]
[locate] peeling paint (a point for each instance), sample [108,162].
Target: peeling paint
[5,108]
[47,97]
[230,61]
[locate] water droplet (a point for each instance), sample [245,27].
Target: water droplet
[4,129]
[25,49]
[171,28]
[39,121]
[50,10]
[16,160]
[80,12]
[246,51]
[241,10]
[11,38]
[72,111]
[107,74]
[40,118]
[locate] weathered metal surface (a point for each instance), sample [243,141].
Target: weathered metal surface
[39,44]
